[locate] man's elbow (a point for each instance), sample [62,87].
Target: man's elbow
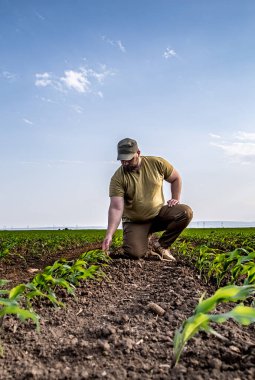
[117,208]
[174,177]
[117,204]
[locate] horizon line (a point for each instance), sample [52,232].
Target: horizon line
[79,227]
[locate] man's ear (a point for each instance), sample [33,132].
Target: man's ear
[138,152]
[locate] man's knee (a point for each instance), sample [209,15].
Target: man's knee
[134,250]
[135,239]
[183,214]
[188,213]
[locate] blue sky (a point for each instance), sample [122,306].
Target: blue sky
[78,76]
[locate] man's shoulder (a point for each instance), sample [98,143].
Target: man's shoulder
[118,173]
[116,188]
[159,164]
[154,159]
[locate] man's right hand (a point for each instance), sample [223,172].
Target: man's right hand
[106,243]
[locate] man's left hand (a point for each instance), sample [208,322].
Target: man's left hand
[172,202]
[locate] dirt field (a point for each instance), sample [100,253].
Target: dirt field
[108,332]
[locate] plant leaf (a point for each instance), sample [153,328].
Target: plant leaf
[17,291]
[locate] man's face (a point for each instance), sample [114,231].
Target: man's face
[131,165]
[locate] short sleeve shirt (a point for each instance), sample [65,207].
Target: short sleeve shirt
[142,190]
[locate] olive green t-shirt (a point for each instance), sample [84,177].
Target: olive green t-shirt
[142,190]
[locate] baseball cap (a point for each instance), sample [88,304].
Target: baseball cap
[127,148]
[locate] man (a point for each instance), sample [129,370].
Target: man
[136,192]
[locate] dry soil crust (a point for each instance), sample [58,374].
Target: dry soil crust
[108,332]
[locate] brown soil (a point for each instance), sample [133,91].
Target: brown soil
[107,331]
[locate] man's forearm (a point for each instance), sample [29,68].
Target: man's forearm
[114,218]
[176,187]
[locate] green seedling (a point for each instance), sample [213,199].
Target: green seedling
[62,274]
[201,318]
[11,304]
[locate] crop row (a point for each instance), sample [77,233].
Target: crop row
[225,239]
[62,274]
[235,269]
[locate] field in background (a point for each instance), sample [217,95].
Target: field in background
[40,242]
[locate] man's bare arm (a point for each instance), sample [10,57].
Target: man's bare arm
[114,217]
[176,186]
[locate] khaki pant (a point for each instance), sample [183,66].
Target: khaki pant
[171,220]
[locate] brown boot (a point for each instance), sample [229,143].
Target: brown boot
[162,253]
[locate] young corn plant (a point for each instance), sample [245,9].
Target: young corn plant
[66,274]
[243,267]
[34,290]
[202,318]
[229,264]
[184,248]
[10,304]
[44,285]
[95,256]
[117,241]
[249,270]
[204,260]
[221,264]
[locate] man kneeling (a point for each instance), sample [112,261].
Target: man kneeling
[136,193]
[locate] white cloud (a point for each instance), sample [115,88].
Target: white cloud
[43,80]
[100,94]
[76,80]
[121,47]
[169,53]
[100,76]
[82,80]
[214,136]
[47,100]
[77,109]
[117,43]
[40,16]
[240,135]
[238,151]
[29,122]
[9,76]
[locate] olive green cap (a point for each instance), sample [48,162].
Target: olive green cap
[127,148]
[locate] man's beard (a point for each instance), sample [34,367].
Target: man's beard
[132,168]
